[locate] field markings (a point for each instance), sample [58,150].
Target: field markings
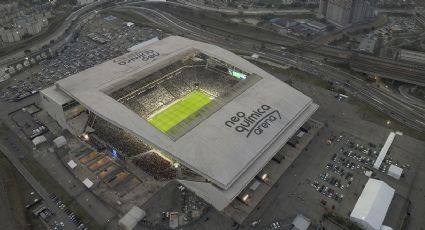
[175,113]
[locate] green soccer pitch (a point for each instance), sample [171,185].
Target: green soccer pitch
[169,117]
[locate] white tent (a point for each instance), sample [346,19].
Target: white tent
[129,221]
[300,223]
[384,150]
[372,205]
[59,141]
[395,172]
[88,183]
[368,173]
[72,164]
[38,140]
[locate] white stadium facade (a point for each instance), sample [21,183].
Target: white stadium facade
[227,142]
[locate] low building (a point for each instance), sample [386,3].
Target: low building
[372,205]
[72,164]
[367,45]
[11,35]
[130,220]
[39,140]
[59,141]
[300,223]
[88,183]
[395,172]
[316,25]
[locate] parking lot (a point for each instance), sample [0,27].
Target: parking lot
[73,217]
[330,176]
[103,38]
[294,194]
[348,162]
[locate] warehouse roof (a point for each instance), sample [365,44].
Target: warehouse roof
[372,205]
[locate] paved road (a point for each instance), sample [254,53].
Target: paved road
[58,33]
[85,198]
[370,64]
[244,45]
[405,92]
[244,11]
[392,106]
[60,215]
[75,188]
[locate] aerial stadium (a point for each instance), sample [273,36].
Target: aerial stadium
[183,110]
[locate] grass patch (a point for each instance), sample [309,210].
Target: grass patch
[180,110]
[18,196]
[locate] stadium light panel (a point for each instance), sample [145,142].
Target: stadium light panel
[236,74]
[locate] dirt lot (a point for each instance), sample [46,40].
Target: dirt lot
[15,194]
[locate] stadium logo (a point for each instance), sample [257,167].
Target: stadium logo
[143,55]
[256,122]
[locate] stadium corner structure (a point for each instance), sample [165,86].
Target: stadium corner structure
[207,109]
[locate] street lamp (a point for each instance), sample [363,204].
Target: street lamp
[85,136]
[265,177]
[245,198]
[176,164]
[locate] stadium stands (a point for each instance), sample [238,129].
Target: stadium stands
[152,93]
[146,97]
[156,166]
[119,139]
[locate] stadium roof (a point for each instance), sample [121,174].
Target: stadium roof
[57,95]
[214,148]
[372,205]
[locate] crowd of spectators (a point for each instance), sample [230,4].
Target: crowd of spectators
[187,172]
[124,142]
[156,166]
[149,97]
[150,94]
[154,98]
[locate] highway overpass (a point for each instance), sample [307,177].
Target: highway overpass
[386,68]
